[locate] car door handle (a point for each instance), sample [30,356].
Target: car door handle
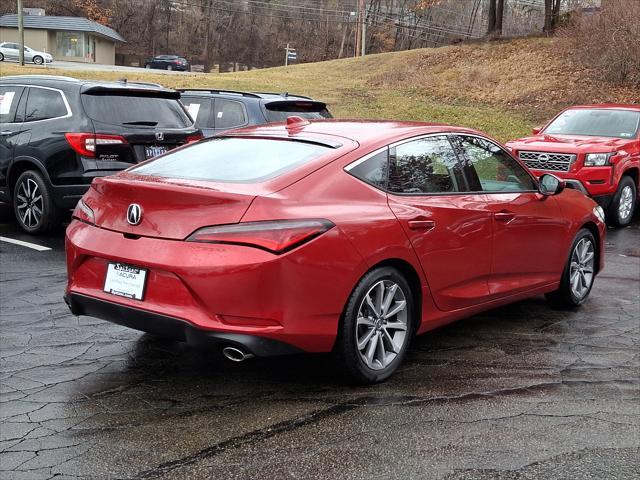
[504,217]
[6,132]
[421,224]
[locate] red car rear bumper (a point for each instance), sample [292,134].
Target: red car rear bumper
[216,292]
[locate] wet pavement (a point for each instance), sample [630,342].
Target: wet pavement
[521,392]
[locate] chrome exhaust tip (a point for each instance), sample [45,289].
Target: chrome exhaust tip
[235,354]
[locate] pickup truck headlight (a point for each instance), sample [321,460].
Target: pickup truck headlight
[597,159]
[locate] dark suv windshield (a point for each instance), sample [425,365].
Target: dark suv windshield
[233,160]
[136,110]
[596,122]
[280,111]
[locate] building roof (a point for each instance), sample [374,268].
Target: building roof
[75,24]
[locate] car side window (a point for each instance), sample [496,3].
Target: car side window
[200,110]
[43,104]
[494,168]
[229,114]
[423,166]
[372,169]
[9,98]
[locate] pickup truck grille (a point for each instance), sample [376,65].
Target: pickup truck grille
[556,162]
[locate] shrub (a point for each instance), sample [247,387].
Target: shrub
[607,40]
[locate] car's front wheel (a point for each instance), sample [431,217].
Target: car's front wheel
[38,60]
[1,57]
[32,204]
[622,206]
[169,67]
[376,326]
[147,66]
[579,272]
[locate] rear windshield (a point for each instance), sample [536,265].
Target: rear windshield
[131,110]
[596,122]
[233,160]
[280,111]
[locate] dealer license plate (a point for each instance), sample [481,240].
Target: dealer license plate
[125,281]
[154,150]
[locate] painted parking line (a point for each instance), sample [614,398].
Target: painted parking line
[34,246]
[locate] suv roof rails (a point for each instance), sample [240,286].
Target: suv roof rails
[41,77]
[215,90]
[283,94]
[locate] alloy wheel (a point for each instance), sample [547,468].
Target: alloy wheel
[582,268]
[626,203]
[381,325]
[30,203]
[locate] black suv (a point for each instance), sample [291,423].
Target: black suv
[216,111]
[58,133]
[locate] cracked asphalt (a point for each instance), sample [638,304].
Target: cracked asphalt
[521,392]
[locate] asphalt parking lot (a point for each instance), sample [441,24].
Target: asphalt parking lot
[521,392]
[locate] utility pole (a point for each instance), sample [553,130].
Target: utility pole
[286,56]
[21,33]
[363,29]
[356,49]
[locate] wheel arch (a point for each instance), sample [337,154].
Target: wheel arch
[634,173]
[592,227]
[21,165]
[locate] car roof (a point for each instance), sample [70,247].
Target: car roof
[372,133]
[608,106]
[86,84]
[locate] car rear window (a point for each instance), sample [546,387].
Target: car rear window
[233,160]
[280,111]
[136,110]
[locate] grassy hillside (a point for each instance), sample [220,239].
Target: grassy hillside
[503,88]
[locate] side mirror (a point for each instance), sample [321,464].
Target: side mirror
[550,185]
[536,130]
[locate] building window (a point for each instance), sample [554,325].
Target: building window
[70,44]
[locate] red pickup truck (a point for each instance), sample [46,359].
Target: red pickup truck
[595,149]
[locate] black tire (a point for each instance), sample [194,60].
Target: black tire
[615,216]
[346,351]
[565,296]
[38,60]
[40,201]
[1,57]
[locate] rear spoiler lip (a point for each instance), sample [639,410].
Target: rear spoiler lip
[131,90]
[279,136]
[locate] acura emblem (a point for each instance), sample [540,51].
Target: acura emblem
[134,214]
[159,136]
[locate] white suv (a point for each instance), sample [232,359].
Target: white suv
[10,51]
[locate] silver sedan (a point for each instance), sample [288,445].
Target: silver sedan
[10,51]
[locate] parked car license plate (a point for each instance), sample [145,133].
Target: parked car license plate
[154,150]
[125,281]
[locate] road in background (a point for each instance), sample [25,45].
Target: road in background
[521,392]
[103,68]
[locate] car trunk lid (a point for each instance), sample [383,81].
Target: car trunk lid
[169,208]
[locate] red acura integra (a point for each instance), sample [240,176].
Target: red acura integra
[348,237]
[594,148]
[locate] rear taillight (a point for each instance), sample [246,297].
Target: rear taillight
[85,143]
[194,138]
[84,213]
[276,236]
